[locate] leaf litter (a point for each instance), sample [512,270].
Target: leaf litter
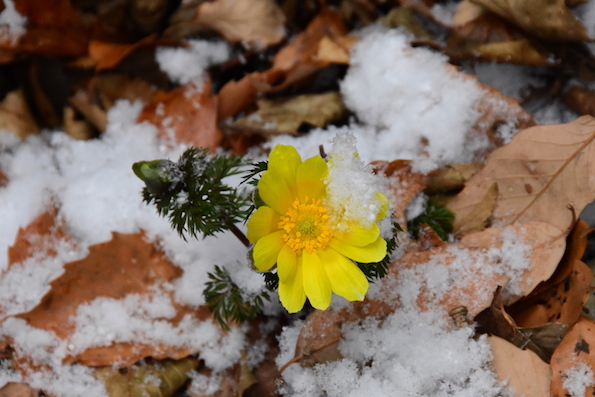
[92,278]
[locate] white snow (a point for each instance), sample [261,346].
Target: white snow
[12,24]
[577,379]
[184,65]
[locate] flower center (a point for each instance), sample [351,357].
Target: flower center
[306,226]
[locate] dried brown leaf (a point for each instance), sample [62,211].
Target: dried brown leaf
[15,115]
[490,38]
[466,12]
[125,265]
[156,379]
[336,49]
[293,64]
[543,171]
[523,370]
[561,303]
[576,348]
[477,219]
[188,114]
[12,389]
[548,19]
[260,22]
[451,177]
[581,100]
[287,115]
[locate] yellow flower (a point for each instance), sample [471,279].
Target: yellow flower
[314,259]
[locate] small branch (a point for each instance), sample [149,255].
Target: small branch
[240,235]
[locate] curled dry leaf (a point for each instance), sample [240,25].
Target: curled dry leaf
[561,303]
[548,19]
[188,114]
[539,174]
[541,340]
[288,115]
[490,38]
[522,370]
[250,21]
[156,379]
[466,12]
[576,348]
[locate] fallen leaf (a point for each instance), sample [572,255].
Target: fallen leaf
[293,64]
[54,29]
[492,39]
[75,127]
[110,87]
[561,303]
[542,171]
[478,219]
[93,114]
[108,55]
[13,389]
[466,12]
[288,115]
[259,22]
[336,49]
[125,265]
[406,17]
[581,100]
[451,177]
[541,340]
[548,19]
[576,348]
[156,379]
[522,370]
[473,286]
[16,117]
[187,114]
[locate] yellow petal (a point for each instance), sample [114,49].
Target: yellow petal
[373,252]
[285,160]
[291,293]
[347,280]
[310,178]
[316,283]
[267,250]
[263,221]
[384,204]
[359,236]
[275,192]
[286,264]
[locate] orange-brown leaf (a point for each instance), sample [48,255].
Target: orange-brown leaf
[577,347]
[187,114]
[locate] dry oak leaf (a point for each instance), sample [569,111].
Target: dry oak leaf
[581,100]
[576,348]
[287,115]
[188,114]
[547,19]
[259,22]
[539,174]
[125,265]
[522,370]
